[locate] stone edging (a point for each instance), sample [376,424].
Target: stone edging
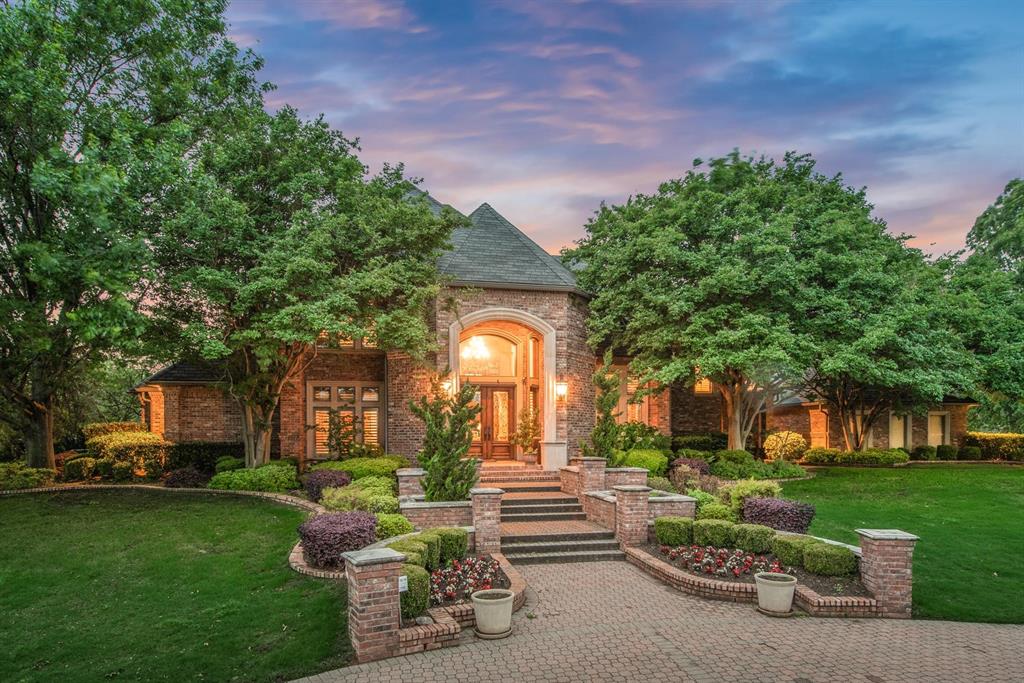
[806,598]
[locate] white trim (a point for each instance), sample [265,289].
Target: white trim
[907,429]
[945,428]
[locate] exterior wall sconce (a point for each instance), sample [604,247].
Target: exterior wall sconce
[448,386]
[561,391]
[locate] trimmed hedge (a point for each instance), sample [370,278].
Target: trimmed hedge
[433,543]
[871,456]
[187,478]
[717,532]
[996,446]
[716,511]
[325,537]
[374,483]
[415,552]
[709,442]
[94,429]
[673,531]
[826,559]
[780,514]
[790,549]
[416,599]
[18,475]
[454,543]
[316,482]
[79,468]
[144,451]
[105,468]
[366,467]
[120,471]
[754,538]
[352,497]
[655,462]
[201,455]
[750,488]
[946,452]
[272,478]
[923,453]
[391,524]
[970,453]
[227,463]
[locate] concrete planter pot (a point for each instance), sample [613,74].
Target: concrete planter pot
[775,593]
[493,610]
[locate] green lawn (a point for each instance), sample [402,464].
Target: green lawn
[132,585]
[969,563]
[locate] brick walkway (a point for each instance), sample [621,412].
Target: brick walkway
[607,621]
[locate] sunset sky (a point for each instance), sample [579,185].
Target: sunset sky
[546,109]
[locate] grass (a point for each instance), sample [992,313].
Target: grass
[131,585]
[969,563]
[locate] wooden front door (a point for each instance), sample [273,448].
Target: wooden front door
[819,429]
[493,433]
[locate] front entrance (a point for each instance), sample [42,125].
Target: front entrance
[492,436]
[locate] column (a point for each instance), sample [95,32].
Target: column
[886,568]
[487,519]
[374,603]
[409,483]
[631,514]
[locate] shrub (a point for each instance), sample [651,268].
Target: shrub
[377,484]
[18,475]
[104,468]
[392,524]
[829,560]
[153,468]
[353,497]
[673,531]
[749,488]
[995,446]
[655,462]
[716,511]
[735,455]
[95,429]
[783,469]
[946,452]
[272,478]
[703,497]
[448,420]
[228,463]
[454,543]
[187,478]
[641,436]
[416,598]
[121,471]
[717,532]
[790,549]
[923,453]
[79,469]
[784,515]
[700,442]
[970,453]
[784,446]
[326,537]
[366,467]
[821,456]
[433,543]
[754,538]
[415,552]
[144,451]
[660,484]
[201,455]
[317,481]
[696,464]
[871,456]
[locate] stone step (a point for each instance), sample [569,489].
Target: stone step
[507,509]
[512,487]
[566,537]
[498,479]
[531,502]
[566,557]
[540,516]
[550,546]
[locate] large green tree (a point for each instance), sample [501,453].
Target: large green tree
[282,235]
[100,99]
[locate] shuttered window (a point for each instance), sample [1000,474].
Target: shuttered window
[360,400]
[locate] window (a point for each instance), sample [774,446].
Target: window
[938,429]
[899,431]
[355,400]
[487,355]
[338,341]
[630,411]
[534,361]
[703,386]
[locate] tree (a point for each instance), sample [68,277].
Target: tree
[449,423]
[999,230]
[527,435]
[100,101]
[279,237]
[604,438]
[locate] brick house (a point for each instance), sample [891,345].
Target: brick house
[518,333]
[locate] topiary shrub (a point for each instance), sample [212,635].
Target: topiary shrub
[784,446]
[272,478]
[826,559]
[392,524]
[717,532]
[673,531]
[366,467]
[790,549]
[710,442]
[201,455]
[18,475]
[946,452]
[655,462]
[416,598]
[416,552]
[325,537]
[660,484]
[448,419]
[228,463]
[716,511]
[783,515]
[703,498]
[79,469]
[923,453]
[970,453]
[754,538]
[94,429]
[353,497]
[433,543]
[187,478]
[750,488]
[315,482]
[454,543]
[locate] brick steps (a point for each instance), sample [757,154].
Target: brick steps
[561,557]
[553,546]
[566,537]
[523,487]
[542,501]
[541,516]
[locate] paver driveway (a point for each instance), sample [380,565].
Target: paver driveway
[607,621]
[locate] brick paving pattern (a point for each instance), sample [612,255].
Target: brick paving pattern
[554,527]
[607,621]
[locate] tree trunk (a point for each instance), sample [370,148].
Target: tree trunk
[39,434]
[256,434]
[733,395]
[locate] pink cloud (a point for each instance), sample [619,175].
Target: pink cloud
[363,14]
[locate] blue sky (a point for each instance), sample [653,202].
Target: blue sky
[544,109]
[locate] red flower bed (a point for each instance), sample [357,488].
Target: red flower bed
[454,584]
[721,562]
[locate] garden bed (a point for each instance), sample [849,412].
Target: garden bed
[454,585]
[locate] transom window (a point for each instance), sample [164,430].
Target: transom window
[339,341]
[358,401]
[487,355]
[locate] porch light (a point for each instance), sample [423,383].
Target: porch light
[448,386]
[561,391]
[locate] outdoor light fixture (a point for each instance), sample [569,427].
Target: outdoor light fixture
[448,386]
[561,391]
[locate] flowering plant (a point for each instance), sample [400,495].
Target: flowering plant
[721,561]
[456,582]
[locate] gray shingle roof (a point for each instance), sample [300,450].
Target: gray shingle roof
[186,373]
[493,252]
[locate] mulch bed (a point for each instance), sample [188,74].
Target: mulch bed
[849,586]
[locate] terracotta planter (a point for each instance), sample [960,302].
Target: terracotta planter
[775,593]
[493,610]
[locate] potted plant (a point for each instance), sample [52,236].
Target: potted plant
[775,593]
[493,610]
[527,434]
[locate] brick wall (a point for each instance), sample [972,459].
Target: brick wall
[425,516]
[192,412]
[664,507]
[695,412]
[600,510]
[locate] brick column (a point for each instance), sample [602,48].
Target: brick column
[631,514]
[374,606]
[409,483]
[591,474]
[487,519]
[886,568]
[569,480]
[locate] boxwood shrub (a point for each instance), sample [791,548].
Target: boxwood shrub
[273,478]
[970,453]
[790,549]
[871,456]
[325,537]
[717,532]
[105,468]
[754,538]
[996,446]
[353,497]
[391,524]
[366,467]
[673,531]
[829,560]
[454,543]
[750,488]
[415,552]
[121,471]
[716,511]
[703,498]
[94,429]
[201,455]
[187,478]
[318,480]
[375,483]
[433,543]
[780,514]
[655,462]
[923,453]
[227,463]
[144,451]
[79,468]
[18,475]
[416,599]
[946,452]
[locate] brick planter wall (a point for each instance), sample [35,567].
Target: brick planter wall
[631,513]
[627,476]
[886,568]
[675,505]
[600,508]
[569,478]
[487,519]
[409,483]
[425,515]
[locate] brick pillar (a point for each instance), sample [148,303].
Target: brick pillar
[374,606]
[569,480]
[631,514]
[487,519]
[591,474]
[409,483]
[886,568]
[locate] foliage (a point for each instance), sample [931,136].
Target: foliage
[415,551]
[698,465]
[449,419]
[754,538]
[416,599]
[997,446]
[391,524]
[946,452]
[528,433]
[78,469]
[716,511]
[325,537]
[377,484]
[365,467]
[716,532]
[748,488]
[16,475]
[316,481]
[673,531]
[454,543]
[655,462]
[344,432]
[273,478]
[353,497]
[871,456]
[999,230]
[94,429]
[922,452]
[105,468]
[660,484]
[433,544]
[639,435]
[202,455]
[187,478]
[227,463]
[720,561]
[703,498]
[826,559]
[120,471]
[971,453]
[790,549]
[143,452]
[784,446]
[604,438]
[700,442]
[778,513]
[455,584]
